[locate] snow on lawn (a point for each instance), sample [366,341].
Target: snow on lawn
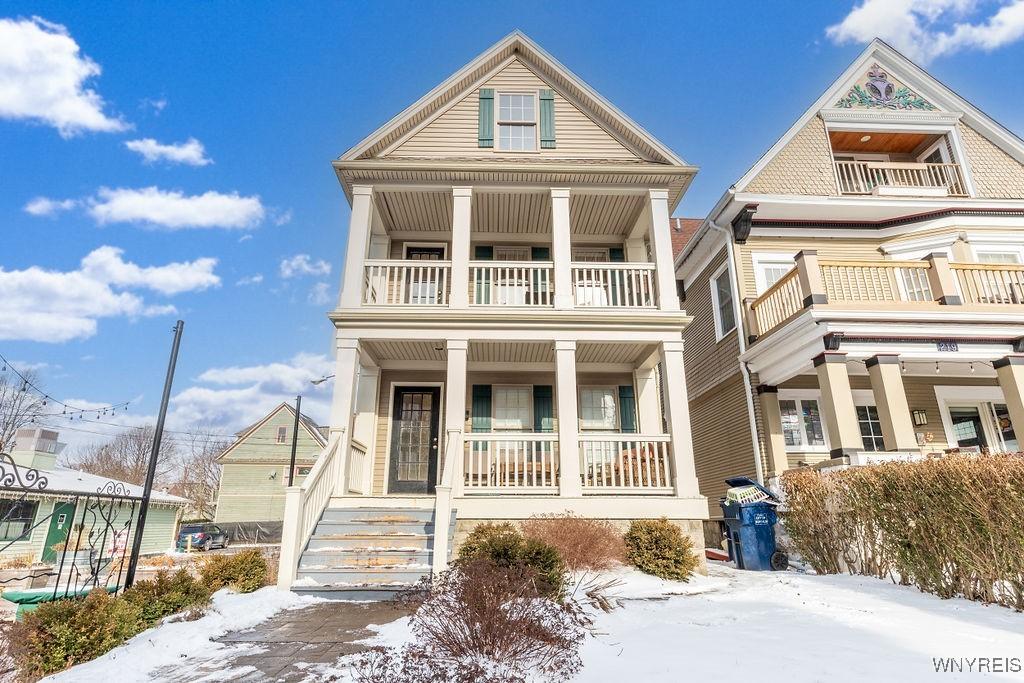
[175,643]
[792,627]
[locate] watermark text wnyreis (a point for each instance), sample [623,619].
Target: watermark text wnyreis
[981,665]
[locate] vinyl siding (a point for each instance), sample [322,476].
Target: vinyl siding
[454,132]
[707,361]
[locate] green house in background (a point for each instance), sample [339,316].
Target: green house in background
[254,469]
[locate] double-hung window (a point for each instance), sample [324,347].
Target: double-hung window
[598,408]
[513,409]
[16,518]
[801,424]
[517,122]
[722,300]
[282,434]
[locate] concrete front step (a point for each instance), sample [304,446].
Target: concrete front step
[368,576]
[355,593]
[371,542]
[327,527]
[365,558]
[377,515]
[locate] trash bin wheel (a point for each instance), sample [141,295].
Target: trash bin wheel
[779,561]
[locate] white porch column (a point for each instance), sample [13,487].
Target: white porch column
[364,422]
[455,401]
[774,438]
[561,248]
[837,404]
[661,245]
[636,251]
[1010,371]
[677,412]
[462,203]
[891,403]
[346,380]
[570,483]
[648,412]
[355,253]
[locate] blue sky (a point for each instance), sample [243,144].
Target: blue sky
[272,92]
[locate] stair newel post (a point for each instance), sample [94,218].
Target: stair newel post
[444,492]
[289,560]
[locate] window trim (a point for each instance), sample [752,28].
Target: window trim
[535,94]
[424,245]
[939,145]
[494,409]
[995,248]
[721,334]
[799,395]
[282,434]
[762,258]
[614,390]
[26,534]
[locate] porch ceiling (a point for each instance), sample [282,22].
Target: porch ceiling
[512,352]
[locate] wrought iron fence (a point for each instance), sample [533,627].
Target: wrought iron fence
[87,542]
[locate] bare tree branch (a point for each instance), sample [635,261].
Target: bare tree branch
[199,469]
[126,457]
[17,408]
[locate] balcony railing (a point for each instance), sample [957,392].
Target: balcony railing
[406,283]
[511,283]
[894,178]
[511,463]
[614,285]
[778,303]
[626,463]
[876,280]
[990,283]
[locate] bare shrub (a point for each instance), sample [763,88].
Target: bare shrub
[584,544]
[950,526]
[483,623]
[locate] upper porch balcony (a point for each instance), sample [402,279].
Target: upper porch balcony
[481,249]
[886,164]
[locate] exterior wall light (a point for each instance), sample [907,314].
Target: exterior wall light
[920,418]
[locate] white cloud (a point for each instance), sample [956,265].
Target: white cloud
[303,264]
[157,105]
[175,210]
[43,76]
[244,238]
[283,217]
[926,29]
[250,280]
[190,152]
[44,206]
[235,397]
[56,306]
[320,294]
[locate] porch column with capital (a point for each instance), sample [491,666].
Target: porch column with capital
[891,403]
[346,381]
[677,414]
[1010,371]
[364,421]
[358,244]
[774,438]
[462,201]
[837,404]
[561,248]
[570,483]
[455,403]
[661,246]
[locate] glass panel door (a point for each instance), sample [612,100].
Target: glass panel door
[968,429]
[414,431]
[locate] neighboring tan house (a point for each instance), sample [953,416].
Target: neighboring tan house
[508,297]
[254,469]
[41,503]
[858,295]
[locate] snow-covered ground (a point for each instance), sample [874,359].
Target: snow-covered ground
[170,643]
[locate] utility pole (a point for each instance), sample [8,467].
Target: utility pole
[147,490]
[295,440]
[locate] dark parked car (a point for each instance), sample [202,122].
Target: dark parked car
[204,537]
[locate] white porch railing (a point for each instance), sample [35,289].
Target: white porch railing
[873,177]
[876,280]
[780,301]
[511,463]
[511,283]
[626,463]
[444,493]
[357,465]
[990,283]
[614,285]
[404,283]
[304,504]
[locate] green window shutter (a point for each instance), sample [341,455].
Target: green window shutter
[540,253]
[616,255]
[543,409]
[627,410]
[481,408]
[547,119]
[486,133]
[483,253]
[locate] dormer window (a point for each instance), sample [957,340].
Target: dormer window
[517,122]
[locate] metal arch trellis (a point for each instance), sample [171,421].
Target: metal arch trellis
[95,551]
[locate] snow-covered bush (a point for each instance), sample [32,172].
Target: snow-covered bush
[485,623]
[658,547]
[243,572]
[506,547]
[583,544]
[951,525]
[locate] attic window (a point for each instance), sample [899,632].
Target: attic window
[282,434]
[517,122]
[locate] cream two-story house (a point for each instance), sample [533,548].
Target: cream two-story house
[858,295]
[507,311]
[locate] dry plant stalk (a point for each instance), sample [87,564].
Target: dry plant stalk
[593,544]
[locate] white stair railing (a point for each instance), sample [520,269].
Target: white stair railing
[443,495]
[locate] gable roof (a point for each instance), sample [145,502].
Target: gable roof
[515,44]
[304,420]
[945,100]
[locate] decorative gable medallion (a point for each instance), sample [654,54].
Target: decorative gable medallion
[878,92]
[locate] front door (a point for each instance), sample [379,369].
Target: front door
[60,524]
[414,431]
[968,428]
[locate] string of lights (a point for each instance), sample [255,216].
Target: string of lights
[67,409]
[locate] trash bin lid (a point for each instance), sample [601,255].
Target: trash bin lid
[736,482]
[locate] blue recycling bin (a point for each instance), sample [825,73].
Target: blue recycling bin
[750,530]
